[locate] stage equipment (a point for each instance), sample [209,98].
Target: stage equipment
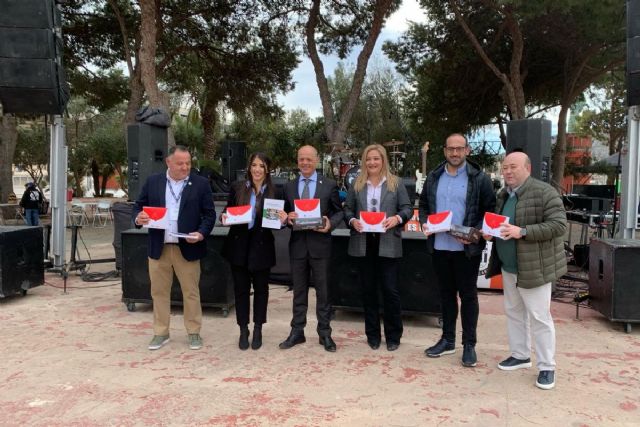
[633,52]
[532,136]
[234,159]
[32,77]
[147,148]
[216,282]
[593,205]
[21,264]
[419,291]
[614,273]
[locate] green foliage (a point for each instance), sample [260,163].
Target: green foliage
[32,150]
[188,132]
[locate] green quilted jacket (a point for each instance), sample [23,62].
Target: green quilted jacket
[541,256]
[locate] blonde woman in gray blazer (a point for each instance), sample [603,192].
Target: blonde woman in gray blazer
[377,190]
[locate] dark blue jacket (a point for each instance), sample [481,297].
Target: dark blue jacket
[480,199]
[197,213]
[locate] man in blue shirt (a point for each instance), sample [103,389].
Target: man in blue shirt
[457,185]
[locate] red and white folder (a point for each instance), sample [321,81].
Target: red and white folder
[158,217]
[372,221]
[439,222]
[491,224]
[307,208]
[238,215]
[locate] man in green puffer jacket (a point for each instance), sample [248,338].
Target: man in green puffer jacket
[530,256]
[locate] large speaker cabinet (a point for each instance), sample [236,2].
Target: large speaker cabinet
[21,260]
[234,159]
[417,284]
[216,282]
[32,78]
[533,136]
[147,148]
[614,279]
[633,52]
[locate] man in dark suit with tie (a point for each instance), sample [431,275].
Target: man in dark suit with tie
[190,212]
[310,250]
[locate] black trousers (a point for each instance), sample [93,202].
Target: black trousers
[242,279]
[458,275]
[301,271]
[374,269]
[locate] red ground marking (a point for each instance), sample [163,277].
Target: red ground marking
[240,380]
[628,406]
[490,411]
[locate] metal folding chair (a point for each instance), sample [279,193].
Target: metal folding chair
[76,215]
[102,214]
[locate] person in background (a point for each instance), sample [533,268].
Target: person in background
[191,213]
[310,250]
[377,190]
[457,185]
[30,202]
[250,249]
[530,255]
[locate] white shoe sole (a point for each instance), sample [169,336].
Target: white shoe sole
[195,347]
[546,386]
[444,353]
[515,367]
[157,347]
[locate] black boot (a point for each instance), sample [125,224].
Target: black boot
[256,341]
[243,342]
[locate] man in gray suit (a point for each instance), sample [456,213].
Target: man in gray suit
[310,250]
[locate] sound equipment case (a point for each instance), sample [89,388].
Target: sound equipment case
[614,279]
[216,282]
[417,284]
[21,260]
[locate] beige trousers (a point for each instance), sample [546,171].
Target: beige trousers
[161,275]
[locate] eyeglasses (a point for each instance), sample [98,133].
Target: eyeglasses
[455,149]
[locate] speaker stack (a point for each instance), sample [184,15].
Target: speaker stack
[532,136]
[21,266]
[31,74]
[234,159]
[147,148]
[633,52]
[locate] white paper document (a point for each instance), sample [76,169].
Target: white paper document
[270,218]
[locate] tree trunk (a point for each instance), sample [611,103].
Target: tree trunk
[78,190]
[95,173]
[8,140]
[136,96]
[336,131]
[209,118]
[560,151]
[122,178]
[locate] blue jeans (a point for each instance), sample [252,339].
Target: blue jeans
[32,217]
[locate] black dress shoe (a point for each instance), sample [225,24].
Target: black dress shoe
[243,341]
[292,339]
[328,344]
[374,344]
[256,341]
[393,346]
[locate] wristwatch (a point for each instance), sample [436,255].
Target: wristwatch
[523,231]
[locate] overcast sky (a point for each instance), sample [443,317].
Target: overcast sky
[306,95]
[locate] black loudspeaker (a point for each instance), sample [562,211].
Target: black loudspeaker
[234,159]
[533,136]
[21,259]
[122,220]
[147,148]
[32,78]
[417,284]
[216,282]
[633,52]
[613,279]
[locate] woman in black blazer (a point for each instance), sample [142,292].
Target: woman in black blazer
[378,190]
[250,249]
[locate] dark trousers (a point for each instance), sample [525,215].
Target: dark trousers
[301,270]
[458,275]
[374,269]
[242,279]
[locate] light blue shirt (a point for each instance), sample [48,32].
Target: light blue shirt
[172,196]
[252,202]
[452,196]
[313,179]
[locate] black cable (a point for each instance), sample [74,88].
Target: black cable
[87,276]
[81,287]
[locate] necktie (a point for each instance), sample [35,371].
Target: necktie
[305,190]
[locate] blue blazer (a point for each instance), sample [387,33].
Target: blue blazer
[197,213]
